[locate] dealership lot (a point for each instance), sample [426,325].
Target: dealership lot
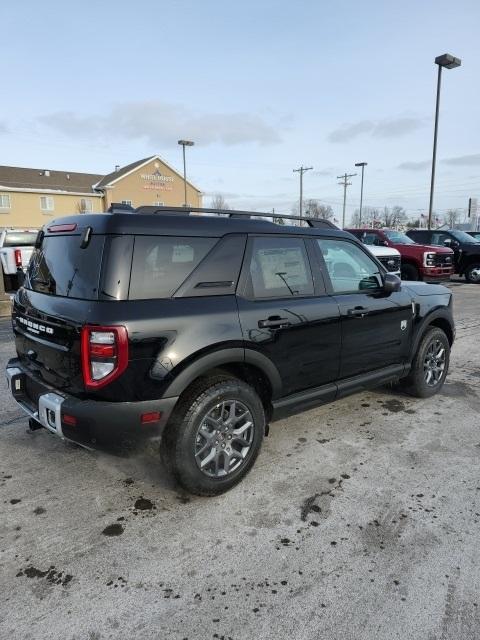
[360,520]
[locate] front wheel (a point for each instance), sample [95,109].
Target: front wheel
[214,436]
[430,365]
[472,273]
[409,272]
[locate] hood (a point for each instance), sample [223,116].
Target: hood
[425,289]
[435,249]
[382,251]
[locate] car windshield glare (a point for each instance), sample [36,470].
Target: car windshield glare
[398,237]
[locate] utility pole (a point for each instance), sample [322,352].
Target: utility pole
[301,170]
[345,184]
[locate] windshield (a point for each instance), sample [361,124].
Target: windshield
[461,236]
[61,268]
[20,238]
[398,237]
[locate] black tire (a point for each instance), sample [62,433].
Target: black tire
[416,383]
[472,273]
[181,438]
[409,272]
[9,282]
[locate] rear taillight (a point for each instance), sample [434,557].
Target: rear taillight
[104,354]
[18,257]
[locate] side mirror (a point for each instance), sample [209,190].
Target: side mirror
[391,283]
[448,242]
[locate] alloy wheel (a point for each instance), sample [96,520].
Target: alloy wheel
[474,274]
[434,363]
[224,438]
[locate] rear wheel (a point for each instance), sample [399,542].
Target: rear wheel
[472,273]
[214,436]
[409,272]
[430,365]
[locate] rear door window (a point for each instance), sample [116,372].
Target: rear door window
[162,263]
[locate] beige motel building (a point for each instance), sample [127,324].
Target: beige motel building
[29,197]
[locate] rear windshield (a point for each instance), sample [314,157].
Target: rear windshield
[61,268]
[162,263]
[20,238]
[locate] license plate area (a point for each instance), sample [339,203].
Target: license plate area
[48,408]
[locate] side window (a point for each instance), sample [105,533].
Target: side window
[372,239]
[439,238]
[349,268]
[162,263]
[279,268]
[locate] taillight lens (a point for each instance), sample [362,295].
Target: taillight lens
[18,257]
[104,354]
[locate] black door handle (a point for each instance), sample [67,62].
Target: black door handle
[358,312]
[273,322]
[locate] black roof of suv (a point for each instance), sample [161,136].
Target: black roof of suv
[198,330]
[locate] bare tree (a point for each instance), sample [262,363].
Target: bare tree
[370,217]
[314,209]
[393,217]
[413,224]
[219,202]
[451,218]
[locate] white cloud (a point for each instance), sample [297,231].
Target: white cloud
[465,161]
[386,128]
[162,124]
[347,132]
[410,165]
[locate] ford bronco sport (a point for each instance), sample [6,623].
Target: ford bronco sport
[197,331]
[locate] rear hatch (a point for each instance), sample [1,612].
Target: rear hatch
[61,282]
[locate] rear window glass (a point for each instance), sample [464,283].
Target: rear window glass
[61,268]
[20,238]
[162,263]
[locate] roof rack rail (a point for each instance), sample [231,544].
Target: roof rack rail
[319,223]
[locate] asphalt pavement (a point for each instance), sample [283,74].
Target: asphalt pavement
[359,521]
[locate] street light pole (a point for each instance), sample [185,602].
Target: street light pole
[301,170]
[449,62]
[185,143]
[363,165]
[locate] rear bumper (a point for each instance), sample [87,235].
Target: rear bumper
[110,426]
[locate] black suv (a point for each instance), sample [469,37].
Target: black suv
[465,247]
[198,330]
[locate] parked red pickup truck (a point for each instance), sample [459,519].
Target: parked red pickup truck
[419,261]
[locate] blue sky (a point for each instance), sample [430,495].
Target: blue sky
[261,86]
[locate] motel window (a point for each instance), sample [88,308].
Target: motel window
[86,205]
[129,202]
[46,203]
[4,201]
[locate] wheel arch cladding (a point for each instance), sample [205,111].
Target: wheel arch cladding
[253,368]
